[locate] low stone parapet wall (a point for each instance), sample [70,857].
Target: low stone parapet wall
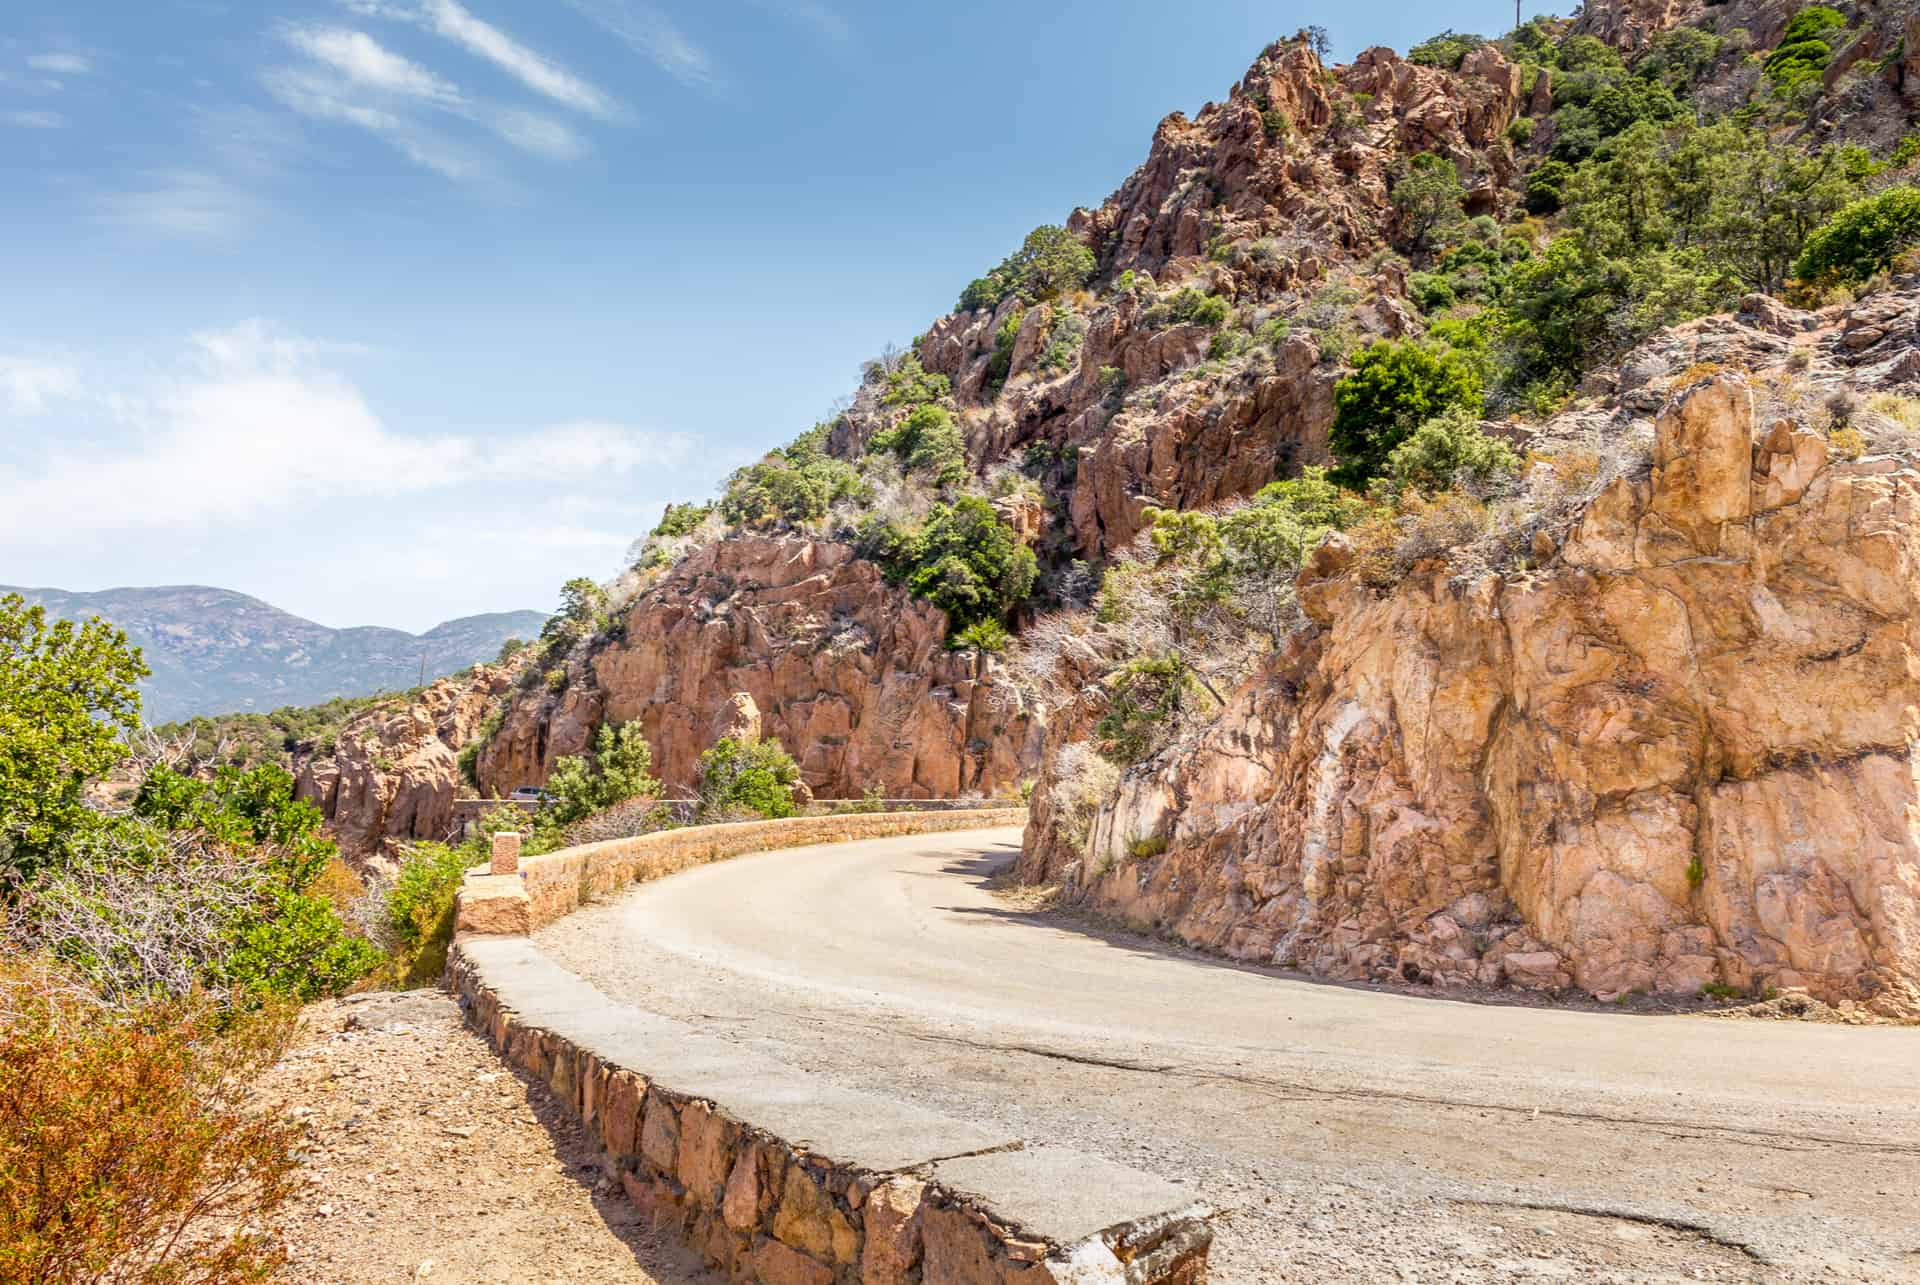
[551,886]
[782,1177]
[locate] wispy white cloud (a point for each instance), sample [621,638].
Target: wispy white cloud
[329,98]
[233,430]
[366,62]
[649,32]
[827,25]
[541,135]
[32,119]
[61,64]
[543,75]
[184,204]
[28,385]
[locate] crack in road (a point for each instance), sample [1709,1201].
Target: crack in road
[1624,1214]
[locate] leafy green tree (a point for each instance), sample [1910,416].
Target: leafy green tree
[1546,187]
[1679,57]
[1428,198]
[67,693]
[581,604]
[1050,262]
[1395,387]
[620,767]
[1596,97]
[964,559]
[1864,238]
[753,776]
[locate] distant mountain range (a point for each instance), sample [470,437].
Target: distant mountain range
[213,651]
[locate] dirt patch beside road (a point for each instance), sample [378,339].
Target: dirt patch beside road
[429,1161]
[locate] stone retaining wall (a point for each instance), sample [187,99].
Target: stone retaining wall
[553,886]
[780,1177]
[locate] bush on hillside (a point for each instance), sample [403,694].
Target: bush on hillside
[964,559]
[1050,262]
[1428,198]
[1188,307]
[1448,453]
[1395,387]
[795,484]
[129,1150]
[1863,239]
[1806,47]
[927,442]
[619,767]
[209,889]
[742,776]
[419,908]
[1448,49]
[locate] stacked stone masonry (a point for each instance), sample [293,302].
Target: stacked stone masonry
[853,1189]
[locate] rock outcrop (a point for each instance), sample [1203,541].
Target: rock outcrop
[1680,751]
[847,671]
[394,772]
[1234,204]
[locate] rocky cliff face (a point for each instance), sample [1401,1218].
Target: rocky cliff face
[394,772]
[850,673]
[1306,204]
[1679,750]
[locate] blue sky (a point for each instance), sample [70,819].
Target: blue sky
[389,311]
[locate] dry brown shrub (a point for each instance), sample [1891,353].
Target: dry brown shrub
[129,1152]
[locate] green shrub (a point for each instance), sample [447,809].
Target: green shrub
[208,889]
[1864,238]
[1447,50]
[1448,451]
[1049,263]
[1004,341]
[1188,307]
[750,776]
[909,384]
[1546,187]
[619,767]
[1068,330]
[681,520]
[926,442]
[1395,387]
[1806,47]
[1520,131]
[419,910]
[795,484]
[1145,697]
[1146,847]
[982,635]
[964,559]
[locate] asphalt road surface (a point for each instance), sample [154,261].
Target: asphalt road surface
[1348,1134]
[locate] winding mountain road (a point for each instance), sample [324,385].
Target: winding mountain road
[1350,1134]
